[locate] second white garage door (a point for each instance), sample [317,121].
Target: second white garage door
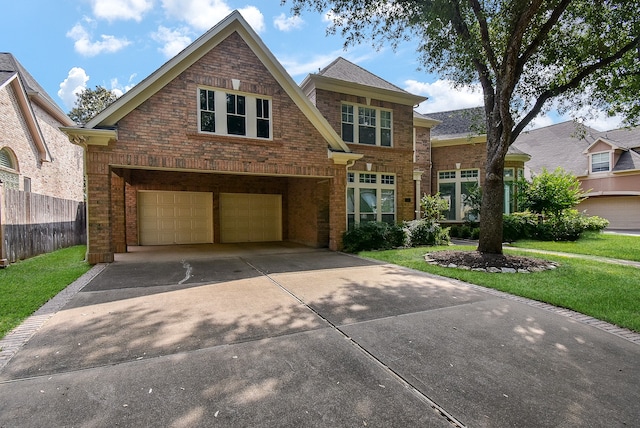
[166,218]
[248,217]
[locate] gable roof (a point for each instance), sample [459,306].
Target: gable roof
[347,71]
[559,145]
[567,144]
[9,65]
[346,77]
[628,138]
[11,79]
[105,121]
[459,123]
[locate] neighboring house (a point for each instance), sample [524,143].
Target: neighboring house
[35,155]
[607,164]
[41,172]
[221,145]
[458,154]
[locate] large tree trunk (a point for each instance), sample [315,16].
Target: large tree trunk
[492,206]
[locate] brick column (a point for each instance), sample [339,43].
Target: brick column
[337,207]
[99,249]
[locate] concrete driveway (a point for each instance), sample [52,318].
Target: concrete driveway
[288,336]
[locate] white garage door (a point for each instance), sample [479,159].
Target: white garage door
[166,218]
[623,212]
[248,217]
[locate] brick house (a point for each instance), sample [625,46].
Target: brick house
[35,155]
[220,145]
[458,153]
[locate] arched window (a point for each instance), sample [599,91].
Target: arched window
[9,169]
[6,159]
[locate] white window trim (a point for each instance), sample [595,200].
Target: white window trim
[356,116]
[251,115]
[591,171]
[379,187]
[458,180]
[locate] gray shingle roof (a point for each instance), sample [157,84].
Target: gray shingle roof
[9,65]
[464,122]
[626,137]
[559,145]
[342,69]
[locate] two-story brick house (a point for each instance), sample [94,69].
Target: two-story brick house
[220,145]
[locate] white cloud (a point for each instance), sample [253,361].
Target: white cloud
[112,10]
[70,87]
[282,23]
[119,89]
[85,46]
[204,14]
[443,96]
[173,41]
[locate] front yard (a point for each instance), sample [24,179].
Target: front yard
[605,291]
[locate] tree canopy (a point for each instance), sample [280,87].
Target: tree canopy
[528,56]
[91,102]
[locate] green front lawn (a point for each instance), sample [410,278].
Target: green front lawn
[29,284]
[604,291]
[593,243]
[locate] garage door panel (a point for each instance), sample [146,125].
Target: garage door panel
[621,211]
[250,217]
[175,217]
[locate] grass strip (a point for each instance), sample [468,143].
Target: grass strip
[28,284]
[595,244]
[604,291]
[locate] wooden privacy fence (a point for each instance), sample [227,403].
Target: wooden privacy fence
[32,224]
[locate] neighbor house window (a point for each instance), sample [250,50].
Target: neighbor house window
[366,125]
[600,162]
[229,113]
[370,197]
[8,170]
[456,187]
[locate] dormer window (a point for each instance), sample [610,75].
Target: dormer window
[601,162]
[366,125]
[232,113]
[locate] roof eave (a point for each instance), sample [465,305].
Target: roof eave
[90,137]
[351,88]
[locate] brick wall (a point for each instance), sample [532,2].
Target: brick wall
[396,160]
[470,156]
[63,176]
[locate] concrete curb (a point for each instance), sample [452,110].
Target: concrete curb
[16,338]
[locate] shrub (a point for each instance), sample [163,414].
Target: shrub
[551,193]
[373,236]
[568,225]
[521,225]
[425,232]
[433,206]
[454,231]
[595,223]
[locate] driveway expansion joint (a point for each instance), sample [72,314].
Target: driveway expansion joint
[397,376]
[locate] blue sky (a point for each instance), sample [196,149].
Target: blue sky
[68,45]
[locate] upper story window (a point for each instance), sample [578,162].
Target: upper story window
[231,113]
[600,162]
[366,125]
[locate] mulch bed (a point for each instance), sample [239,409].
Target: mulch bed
[476,260]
